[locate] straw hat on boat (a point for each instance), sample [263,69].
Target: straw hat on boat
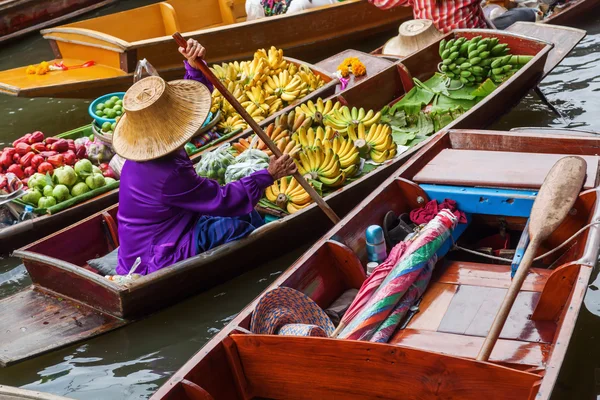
[412,36]
[160,117]
[285,311]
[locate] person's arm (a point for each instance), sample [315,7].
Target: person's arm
[187,190]
[194,53]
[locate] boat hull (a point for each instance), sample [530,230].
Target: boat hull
[20,17]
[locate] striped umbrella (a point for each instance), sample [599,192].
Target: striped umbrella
[371,284]
[416,290]
[402,276]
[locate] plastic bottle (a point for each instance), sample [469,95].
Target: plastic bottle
[371,267]
[27,214]
[376,250]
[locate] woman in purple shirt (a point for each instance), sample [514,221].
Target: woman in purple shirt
[168,213]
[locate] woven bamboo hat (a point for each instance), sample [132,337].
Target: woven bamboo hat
[413,35]
[160,117]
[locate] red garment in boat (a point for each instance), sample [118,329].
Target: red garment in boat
[451,14]
[425,214]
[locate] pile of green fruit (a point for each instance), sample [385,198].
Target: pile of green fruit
[66,182]
[110,109]
[473,61]
[108,128]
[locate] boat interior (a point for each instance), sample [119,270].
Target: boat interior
[432,354]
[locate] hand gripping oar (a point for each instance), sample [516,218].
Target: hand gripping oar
[552,204]
[257,129]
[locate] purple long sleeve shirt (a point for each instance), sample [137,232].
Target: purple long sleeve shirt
[161,200]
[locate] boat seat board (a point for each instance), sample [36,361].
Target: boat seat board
[277,367]
[563,38]
[34,322]
[13,81]
[373,64]
[496,169]
[505,351]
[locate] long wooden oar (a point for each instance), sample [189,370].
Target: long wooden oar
[257,129]
[552,204]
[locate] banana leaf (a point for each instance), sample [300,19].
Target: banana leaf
[414,101]
[484,89]
[420,125]
[397,119]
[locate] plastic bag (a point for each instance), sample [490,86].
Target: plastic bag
[214,164]
[141,67]
[98,152]
[254,10]
[241,170]
[252,155]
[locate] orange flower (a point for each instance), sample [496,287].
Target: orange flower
[358,68]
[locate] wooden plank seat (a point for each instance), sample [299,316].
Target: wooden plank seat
[496,169]
[460,304]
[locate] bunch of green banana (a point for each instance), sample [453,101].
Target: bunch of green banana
[319,110]
[378,143]
[470,60]
[503,68]
[347,152]
[344,118]
[313,137]
[324,166]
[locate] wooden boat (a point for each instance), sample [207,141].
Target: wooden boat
[494,177]
[13,393]
[572,12]
[20,17]
[20,234]
[117,45]
[58,266]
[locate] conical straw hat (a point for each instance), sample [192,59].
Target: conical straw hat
[412,36]
[160,117]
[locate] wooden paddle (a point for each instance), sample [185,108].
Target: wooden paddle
[257,129]
[552,204]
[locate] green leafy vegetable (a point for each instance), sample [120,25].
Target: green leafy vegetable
[484,89]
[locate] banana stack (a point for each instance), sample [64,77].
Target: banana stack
[473,61]
[319,110]
[344,118]
[264,85]
[378,143]
[288,194]
[313,137]
[321,165]
[231,124]
[348,153]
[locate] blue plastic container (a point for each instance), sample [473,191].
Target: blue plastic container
[103,99]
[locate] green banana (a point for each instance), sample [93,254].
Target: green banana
[442,46]
[475,61]
[484,54]
[465,74]
[453,56]
[445,54]
[465,66]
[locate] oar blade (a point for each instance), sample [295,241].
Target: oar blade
[557,196]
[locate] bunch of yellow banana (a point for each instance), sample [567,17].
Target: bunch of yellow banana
[256,101]
[285,86]
[293,121]
[319,110]
[254,73]
[288,194]
[225,72]
[292,68]
[341,119]
[216,102]
[232,123]
[313,137]
[237,91]
[321,165]
[378,143]
[313,81]
[347,152]
[274,59]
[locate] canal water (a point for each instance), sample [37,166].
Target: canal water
[131,363]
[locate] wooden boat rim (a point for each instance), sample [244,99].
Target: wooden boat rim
[124,45]
[67,266]
[507,33]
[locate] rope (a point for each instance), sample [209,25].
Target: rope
[579,232]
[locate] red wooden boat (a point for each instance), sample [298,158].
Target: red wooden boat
[20,17]
[58,263]
[572,12]
[494,177]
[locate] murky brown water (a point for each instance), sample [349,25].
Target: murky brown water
[131,363]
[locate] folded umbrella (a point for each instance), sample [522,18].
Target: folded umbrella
[401,277]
